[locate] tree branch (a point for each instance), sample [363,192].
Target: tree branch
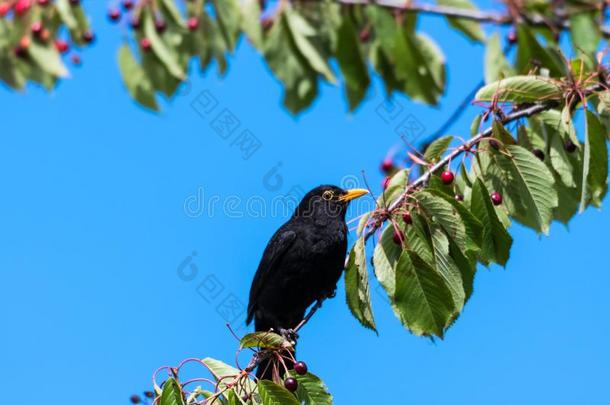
[514,116]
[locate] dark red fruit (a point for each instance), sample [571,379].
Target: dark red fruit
[114,14]
[496,198]
[494,144]
[75,59]
[291,384]
[160,26]
[61,45]
[512,37]
[4,9]
[300,367]
[459,197]
[570,146]
[398,236]
[21,50]
[43,3]
[134,22]
[149,394]
[145,44]
[407,218]
[22,7]
[127,4]
[36,28]
[135,399]
[538,153]
[192,23]
[88,36]
[75,2]
[385,182]
[387,165]
[447,177]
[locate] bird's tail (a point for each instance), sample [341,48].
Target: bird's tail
[270,366]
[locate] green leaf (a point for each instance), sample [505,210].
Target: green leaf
[160,49]
[135,79]
[273,394]
[170,9]
[446,267]
[264,340]
[531,54]
[496,65]
[311,390]
[251,22]
[496,242]
[385,256]
[352,62]
[470,28]
[426,74]
[585,35]
[595,163]
[500,133]
[395,188]
[221,370]
[437,148]
[560,161]
[423,299]
[301,30]
[444,214]
[66,13]
[172,393]
[357,286]
[521,89]
[228,16]
[48,59]
[362,223]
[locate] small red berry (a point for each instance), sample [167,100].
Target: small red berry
[44,35]
[88,36]
[75,59]
[43,3]
[145,44]
[4,9]
[192,23]
[300,367]
[75,2]
[160,26]
[459,197]
[61,45]
[21,50]
[538,153]
[496,198]
[570,146]
[22,7]
[387,165]
[134,22]
[494,144]
[512,37]
[135,399]
[114,14]
[149,394]
[36,28]
[398,236]
[407,218]
[447,177]
[127,4]
[385,182]
[291,384]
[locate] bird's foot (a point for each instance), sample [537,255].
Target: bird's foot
[290,335]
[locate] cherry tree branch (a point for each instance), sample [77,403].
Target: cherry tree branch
[441,164]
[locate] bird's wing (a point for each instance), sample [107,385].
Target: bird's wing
[275,250]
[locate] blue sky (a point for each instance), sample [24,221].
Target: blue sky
[99,216]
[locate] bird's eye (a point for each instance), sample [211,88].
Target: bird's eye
[328,195]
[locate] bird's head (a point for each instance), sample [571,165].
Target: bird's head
[328,200]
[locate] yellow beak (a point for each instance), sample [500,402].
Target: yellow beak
[353,194]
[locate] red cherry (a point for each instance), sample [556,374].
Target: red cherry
[407,218]
[61,45]
[135,399]
[447,177]
[145,44]
[385,182]
[160,26]
[387,165]
[88,36]
[398,236]
[75,2]
[300,367]
[538,153]
[149,394]
[512,37]
[36,28]
[75,59]
[127,4]
[496,198]
[134,22]
[114,14]
[291,384]
[21,50]
[43,3]
[4,9]
[22,7]
[459,197]
[192,23]
[570,146]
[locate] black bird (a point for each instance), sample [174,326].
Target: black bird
[302,263]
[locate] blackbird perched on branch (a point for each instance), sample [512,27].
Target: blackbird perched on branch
[302,263]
